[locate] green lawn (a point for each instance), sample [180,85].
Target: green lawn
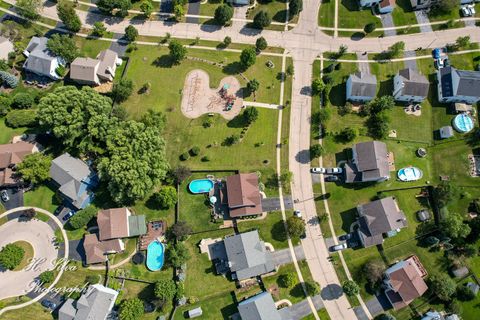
[6,133]
[91,47]
[42,197]
[326,14]
[403,14]
[276,9]
[220,306]
[272,284]
[271,229]
[436,16]
[33,311]
[208,8]
[28,254]
[351,16]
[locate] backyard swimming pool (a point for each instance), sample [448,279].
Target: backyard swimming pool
[463,123]
[200,186]
[409,174]
[155,255]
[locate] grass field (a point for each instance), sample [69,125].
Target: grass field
[403,14]
[351,16]
[41,197]
[326,14]
[271,229]
[276,9]
[28,254]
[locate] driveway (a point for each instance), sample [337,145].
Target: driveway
[378,304]
[422,19]
[302,309]
[76,252]
[193,9]
[39,234]
[16,198]
[412,64]
[273,204]
[387,22]
[281,257]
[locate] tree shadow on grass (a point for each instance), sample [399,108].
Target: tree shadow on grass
[278,232]
[297,291]
[237,122]
[357,36]
[386,87]
[280,16]
[164,61]
[147,293]
[337,94]
[233,68]
[351,5]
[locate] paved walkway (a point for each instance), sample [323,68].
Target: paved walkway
[49,235]
[423,21]
[412,63]
[363,65]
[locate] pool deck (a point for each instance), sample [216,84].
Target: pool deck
[152,233]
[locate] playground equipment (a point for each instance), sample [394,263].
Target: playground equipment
[229,98]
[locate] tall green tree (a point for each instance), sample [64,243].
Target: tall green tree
[250,114]
[261,44]
[122,90]
[108,6]
[66,13]
[99,29]
[262,20]
[135,161]
[177,255]
[248,57]
[131,33]
[63,46]
[35,168]
[177,51]
[350,288]
[223,14]
[131,309]
[253,85]
[295,226]
[11,255]
[454,227]
[295,7]
[147,8]
[78,118]
[166,197]
[29,9]
[443,286]
[83,217]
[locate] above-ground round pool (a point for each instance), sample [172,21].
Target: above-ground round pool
[463,123]
[200,186]
[409,174]
[155,255]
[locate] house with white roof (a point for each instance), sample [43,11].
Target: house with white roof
[40,60]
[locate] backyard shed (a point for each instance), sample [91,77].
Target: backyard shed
[197,312]
[446,132]
[423,215]
[463,107]
[460,272]
[473,287]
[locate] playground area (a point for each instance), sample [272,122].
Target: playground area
[198,98]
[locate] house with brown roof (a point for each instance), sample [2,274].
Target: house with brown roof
[96,251]
[92,71]
[369,163]
[404,282]
[119,223]
[12,154]
[378,219]
[243,195]
[386,6]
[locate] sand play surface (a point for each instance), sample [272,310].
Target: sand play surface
[198,98]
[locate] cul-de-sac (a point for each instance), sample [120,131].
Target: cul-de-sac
[239,159]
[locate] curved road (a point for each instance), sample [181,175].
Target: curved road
[41,236]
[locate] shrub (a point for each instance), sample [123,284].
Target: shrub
[46,276]
[316,151]
[312,288]
[61,71]
[464,293]
[208,122]
[9,79]
[23,100]
[287,280]
[295,226]
[11,256]
[195,151]
[122,90]
[5,103]
[166,197]
[185,156]
[350,288]
[227,41]
[99,29]
[165,289]
[205,159]
[82,217]
[369,28]
[262,20]
[233,139]
[347,134]
[131,33]
[223,14]
[21,118]
[443,286]
[261,44]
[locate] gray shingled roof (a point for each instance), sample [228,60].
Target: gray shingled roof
[108,60]
[468,83]
[363,84]
[259,307]
[40,59]
[371,162]
[84,70]
[247,255]
[96,303]
[379,217]
[414,83]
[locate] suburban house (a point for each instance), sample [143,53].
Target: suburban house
[119,223]
[386,6]
[262,307]
[458,85]
[10,155]
[245,256]
[404,282]
[361,87]
[377,219]
[96,303]
[92,71]
[243,195]
[410,86]
[5,48]
[422,4]
[40,60]
[96,251]
[369,163]
[239,2]
[75,180]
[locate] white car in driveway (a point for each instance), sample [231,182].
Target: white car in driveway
[334,170]
[339,247]
[317,170]
[297,213]
[5,196]
[471,8]
[465,11]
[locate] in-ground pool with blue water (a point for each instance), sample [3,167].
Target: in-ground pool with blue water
[155,255]
[200,186]
[463,123]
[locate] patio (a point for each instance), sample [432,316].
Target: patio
[155,230]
